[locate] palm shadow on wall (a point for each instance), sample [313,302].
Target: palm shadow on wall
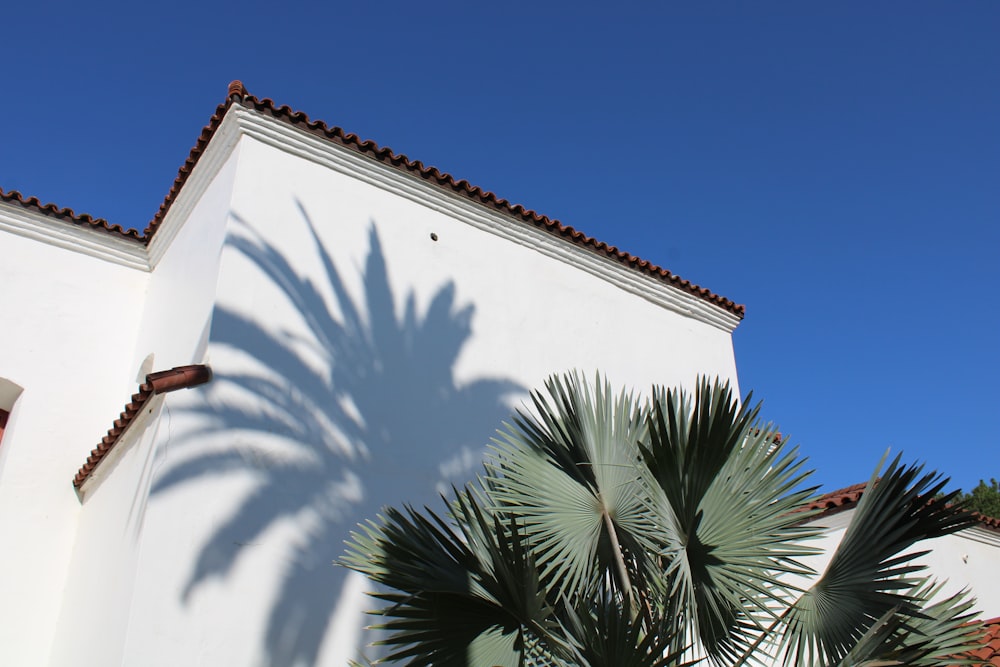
[361,404]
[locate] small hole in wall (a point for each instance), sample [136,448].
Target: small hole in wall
[434,237]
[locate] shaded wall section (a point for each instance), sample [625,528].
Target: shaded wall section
[365,348]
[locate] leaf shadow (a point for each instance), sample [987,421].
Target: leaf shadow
[360,408]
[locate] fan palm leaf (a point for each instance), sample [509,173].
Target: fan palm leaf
[606,635]
[569,472]
[732,487]
[942,631]
[613,531]
[871,572]
[468,595]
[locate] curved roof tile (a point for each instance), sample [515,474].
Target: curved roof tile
[67,214]
[162,382]
[989,653]
[848,497]
[238,95]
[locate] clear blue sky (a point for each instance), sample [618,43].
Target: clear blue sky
[833,166]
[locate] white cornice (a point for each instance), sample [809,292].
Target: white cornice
[98,243]
[287,138]
[841,519]
[215,154]
[110,247]
[981,534]
[240,122]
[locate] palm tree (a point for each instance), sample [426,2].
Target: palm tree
[608,530]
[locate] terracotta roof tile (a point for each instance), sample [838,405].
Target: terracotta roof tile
[848,497]
[67,214]
[237,94]
[841,499]
[989,653]
[162,382]
[187,167]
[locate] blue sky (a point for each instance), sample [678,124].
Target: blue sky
[833,166]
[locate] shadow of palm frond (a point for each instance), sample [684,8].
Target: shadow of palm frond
[367,410]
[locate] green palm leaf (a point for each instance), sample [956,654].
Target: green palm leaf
[570,473]
[606,635]
[466,598]
[871,573]
[942,631]
[731,487]
[608,531]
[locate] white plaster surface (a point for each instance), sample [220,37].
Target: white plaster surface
[968,560]
[69,327]
[375,379]
[358,362]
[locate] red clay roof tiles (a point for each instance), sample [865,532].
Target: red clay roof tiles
[67,214]
[162,382]
[237,94]
[989,654]
[840,499]
[848,497]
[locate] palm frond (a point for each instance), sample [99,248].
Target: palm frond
[871,572]
[570,473]
[608,531]
[939,634]
[732,487]
[606,635]
[466,597]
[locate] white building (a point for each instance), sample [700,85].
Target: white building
[367,322]
[967,560]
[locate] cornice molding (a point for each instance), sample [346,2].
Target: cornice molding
[840,518]
[97,243]
[215,155]
[304,145]
[241,122]
[981,534]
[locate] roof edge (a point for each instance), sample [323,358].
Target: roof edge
[237,94]
[847,499]
[162,382]
[69,215]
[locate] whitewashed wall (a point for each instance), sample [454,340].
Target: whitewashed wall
[96,607]
[68,328]
[96,603]
[359,362]
[967,560]
[375,378]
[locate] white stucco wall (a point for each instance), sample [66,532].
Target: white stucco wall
[338,393]
[967,560]
[68,329]
[363,366]
[172,331]
[96,604]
